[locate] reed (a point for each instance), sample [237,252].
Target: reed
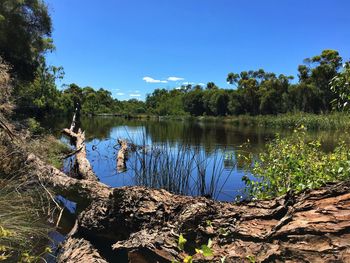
[181,169]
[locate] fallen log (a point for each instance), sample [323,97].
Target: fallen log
[145,224]
[82,192]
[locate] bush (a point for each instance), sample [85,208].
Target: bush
[295,164]
[34,127]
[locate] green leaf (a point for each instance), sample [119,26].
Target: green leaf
[188,259]
[206,251]
[182,241]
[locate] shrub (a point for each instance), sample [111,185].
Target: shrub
[296,164]
[35,127]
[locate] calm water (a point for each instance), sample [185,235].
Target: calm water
[208,164]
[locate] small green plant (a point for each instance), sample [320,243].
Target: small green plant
[182,241]
[204,250]
[251,259]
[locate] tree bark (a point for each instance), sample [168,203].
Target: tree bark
[144,224]
[83,165]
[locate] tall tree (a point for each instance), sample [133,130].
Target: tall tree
[318,72]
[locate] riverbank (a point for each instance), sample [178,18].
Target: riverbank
[331,121]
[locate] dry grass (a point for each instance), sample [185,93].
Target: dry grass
[25,204]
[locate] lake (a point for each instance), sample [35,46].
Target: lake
[183,157]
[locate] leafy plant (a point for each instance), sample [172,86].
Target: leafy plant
[204,250]
[296,164]
[34,126]
[340,85]
[182,241]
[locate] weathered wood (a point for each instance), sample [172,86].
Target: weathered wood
[83,165]
[311,227]
[122,155]
[79,191]
[76,119]
[77,136]
[79,250]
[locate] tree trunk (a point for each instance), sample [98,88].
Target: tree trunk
[143,225]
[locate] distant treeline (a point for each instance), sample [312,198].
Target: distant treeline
[25,38]
[256,92]
[253,93]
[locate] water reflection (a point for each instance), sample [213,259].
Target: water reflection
[216,145]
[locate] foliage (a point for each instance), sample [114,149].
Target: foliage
[256,92]
[40,95]
[332,121]
[340,85]
[204,250]
[25,30]
[296,164]
[34,127]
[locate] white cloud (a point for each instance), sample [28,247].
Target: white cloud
[175,79]
[201,84]
[188,83]
[152,80]
[120,94]
[134,95]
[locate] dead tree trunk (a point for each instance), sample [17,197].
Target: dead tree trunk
[83,165]
[122,155]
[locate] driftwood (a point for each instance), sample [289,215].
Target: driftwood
[137,224]
[122,155]
[83,165]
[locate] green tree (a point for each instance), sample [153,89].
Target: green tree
[318,72]
[41,95]
[25,31]
[211,85]
[218,102]
[193,102]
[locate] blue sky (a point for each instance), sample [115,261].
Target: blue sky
[132,47]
